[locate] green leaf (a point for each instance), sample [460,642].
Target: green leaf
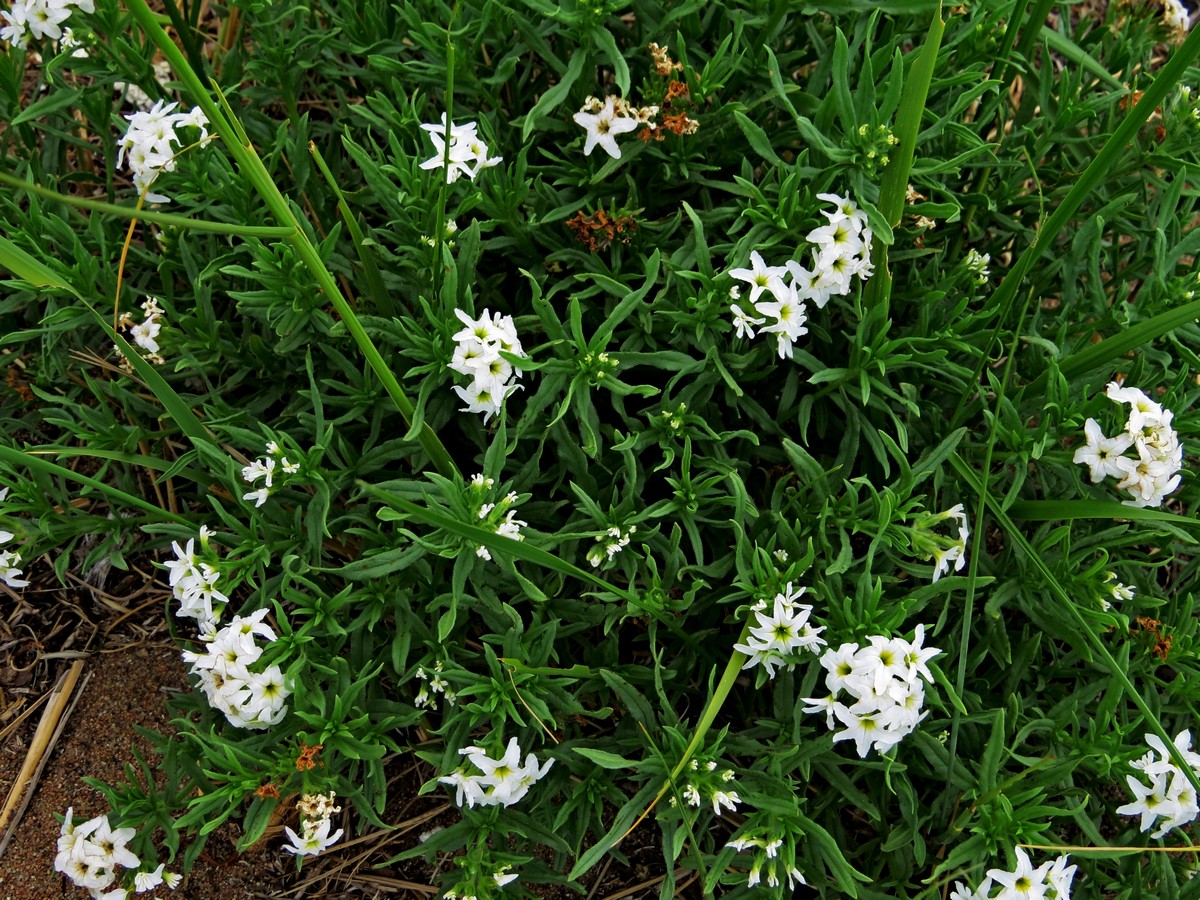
[554,97]
[606,760]
[758,139]
[25,267]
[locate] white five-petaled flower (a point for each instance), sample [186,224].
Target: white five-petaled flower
[316,840]
[467,155]
[603,126]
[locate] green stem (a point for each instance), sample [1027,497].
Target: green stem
[893,187]
[159,218]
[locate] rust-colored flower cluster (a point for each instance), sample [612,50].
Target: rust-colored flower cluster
[599,229]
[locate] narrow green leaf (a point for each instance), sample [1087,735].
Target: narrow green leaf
[21,460]
[25,267]
[758,139]
[1065,510]
[606,760]
[1115,347]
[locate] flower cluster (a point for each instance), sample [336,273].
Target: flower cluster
[193,582]
[706,785]
[781,633]
[977,265]
[316,818]
[1169,794]
[1116,590]
[150,142]
[1049,881]
[478,354]
[469,155]
[145,333]
[40,19]
[842,250]
[502,519]
[884,679]
[90,853]
[265,468]
[957,552]
[254,700]
[502,781]
[766,846]
[1155,472]
[10,560]
[609,544]
[427,696]
[604,120]
[1176,16]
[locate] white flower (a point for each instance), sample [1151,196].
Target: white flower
[762,277]
[603,126]
[468,155]
[150,140]
[1175,15]
[1024,881]
[148,881]
[316,840]
[1102,455]
[502,781]
[477,354]
[502,876]
[742,322]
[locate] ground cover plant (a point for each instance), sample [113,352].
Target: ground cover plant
[766,425]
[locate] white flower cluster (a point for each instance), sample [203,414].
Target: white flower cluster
[957,552]
[91,852]
[192,583]
[254,700]
[468,154]
[705,786]
[1049,881]
[427,696]
[144,334]
[604,120]
[10,560]
[502,519]
[477,354]
[1176,16]
[609,544]
[884,679]
[501,876]
[1116,590]
[766,850]
[40,19]
[1169,794]
[842,250]
[977,265]
[264,468]
[316,818]
[1155,472]
[781,633]
[149,140]
[501,781]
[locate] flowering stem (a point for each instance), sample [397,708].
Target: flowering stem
[893,187]
[439,222]
[252,167]
[707,717]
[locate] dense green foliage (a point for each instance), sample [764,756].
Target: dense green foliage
[927,386]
